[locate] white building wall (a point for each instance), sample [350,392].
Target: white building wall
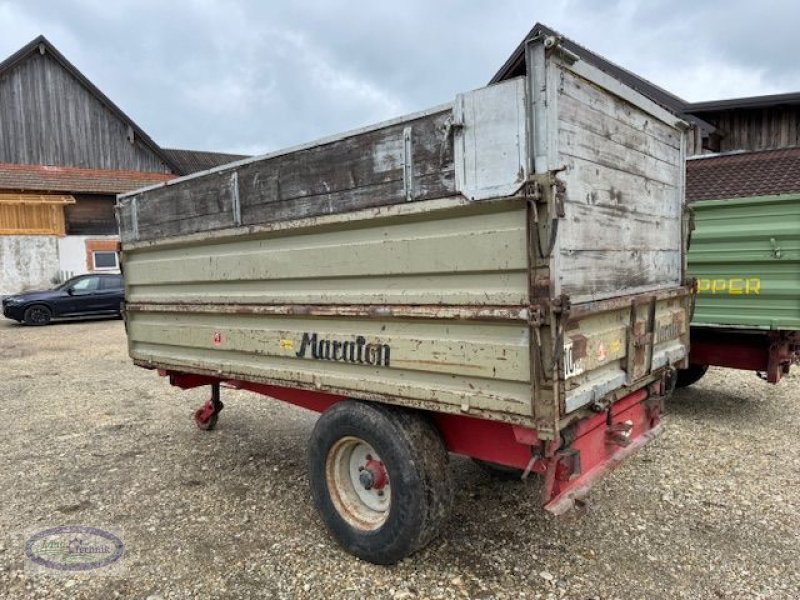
[27,262]
[72,253]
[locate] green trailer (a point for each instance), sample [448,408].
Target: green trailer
[745,256]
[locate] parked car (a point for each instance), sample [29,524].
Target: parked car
[82,296]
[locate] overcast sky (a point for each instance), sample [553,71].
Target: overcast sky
[250,76]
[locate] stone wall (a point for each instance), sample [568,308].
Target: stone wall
[27,262]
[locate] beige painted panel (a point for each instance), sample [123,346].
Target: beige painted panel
[483,365]
[596,348]
[467,255]
[509,288]
[470,348]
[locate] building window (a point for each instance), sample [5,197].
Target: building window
[105,260]
[101,255]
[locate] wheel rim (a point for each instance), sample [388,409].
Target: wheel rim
[358,483]
[38,315]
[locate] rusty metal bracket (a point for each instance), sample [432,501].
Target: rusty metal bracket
[453,125]
[562,305]
[548,190]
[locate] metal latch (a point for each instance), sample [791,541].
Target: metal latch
[620,433]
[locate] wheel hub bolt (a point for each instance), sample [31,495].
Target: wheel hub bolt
[366,479]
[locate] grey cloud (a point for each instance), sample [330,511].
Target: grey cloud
[255,76]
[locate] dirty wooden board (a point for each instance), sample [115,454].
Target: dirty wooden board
[622,229]
[353,172]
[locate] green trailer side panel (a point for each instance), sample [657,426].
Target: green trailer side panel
[745,254]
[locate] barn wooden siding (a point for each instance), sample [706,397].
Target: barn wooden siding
[758,129]
[48,117]
[33,214]
[91,215]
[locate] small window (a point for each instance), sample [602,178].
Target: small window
[105,260]
[111,282]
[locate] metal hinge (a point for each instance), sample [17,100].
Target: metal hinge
[547,190]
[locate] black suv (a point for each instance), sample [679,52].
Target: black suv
[85,295]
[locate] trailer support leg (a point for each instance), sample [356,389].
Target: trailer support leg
[207,415]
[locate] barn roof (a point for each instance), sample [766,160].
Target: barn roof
[42,45]
[755,102]
[515,66]
[193,161]
[75,180]
[743,174]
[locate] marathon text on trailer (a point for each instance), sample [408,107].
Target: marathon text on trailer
[356,351]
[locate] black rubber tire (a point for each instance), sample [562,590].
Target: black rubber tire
[416,460]
[693,374]
[37,314]
[501,472]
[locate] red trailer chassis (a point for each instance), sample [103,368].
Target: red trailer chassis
[586,451]
[769,353]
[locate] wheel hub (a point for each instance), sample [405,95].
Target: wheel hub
[359,483]
[373,474]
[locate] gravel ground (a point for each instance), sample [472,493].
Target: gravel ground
[709,510]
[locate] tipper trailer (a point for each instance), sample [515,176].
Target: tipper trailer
[500,277]
[745,256]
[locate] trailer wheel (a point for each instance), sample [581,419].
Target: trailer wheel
[379,479]
[692,374]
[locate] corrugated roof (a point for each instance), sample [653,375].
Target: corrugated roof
[743,174]
[192,161]
[75,180]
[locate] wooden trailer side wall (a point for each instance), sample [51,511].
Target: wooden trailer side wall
[408,159]
[622,229]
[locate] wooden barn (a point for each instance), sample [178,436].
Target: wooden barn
[66,150]
[753,150]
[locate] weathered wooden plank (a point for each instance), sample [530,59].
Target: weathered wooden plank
[358,161]
[431,186]
[575,116]
[599,185]
[592,274]
[354,172]
[596,99]
[617,228]
[209,196]
[587,145]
